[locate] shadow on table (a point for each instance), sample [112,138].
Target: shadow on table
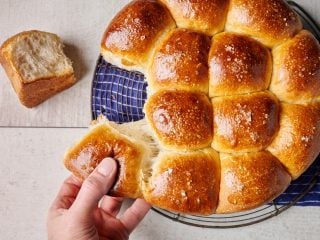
[78,61]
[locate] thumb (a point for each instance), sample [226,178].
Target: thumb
[95,187]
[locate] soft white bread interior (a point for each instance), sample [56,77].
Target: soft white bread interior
[36,65]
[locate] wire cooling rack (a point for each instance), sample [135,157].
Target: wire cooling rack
[124,102]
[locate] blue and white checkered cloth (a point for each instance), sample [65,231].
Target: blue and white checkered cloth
[120,95]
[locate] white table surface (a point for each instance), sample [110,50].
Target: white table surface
[31,170]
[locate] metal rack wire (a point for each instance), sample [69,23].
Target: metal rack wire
[124,103]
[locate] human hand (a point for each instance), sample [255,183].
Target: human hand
[77,215]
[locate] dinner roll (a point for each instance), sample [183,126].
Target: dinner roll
[131,36]
[297,142]
[206,16]
[180,120]
[296,74]
[181,62]
[245,123]
[238,64]
[36,65]
[105,141]
[249,180]
[270,21]
[185,182]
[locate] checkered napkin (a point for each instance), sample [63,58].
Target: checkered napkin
[120,95]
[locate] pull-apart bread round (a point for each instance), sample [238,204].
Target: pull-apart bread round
[233,112]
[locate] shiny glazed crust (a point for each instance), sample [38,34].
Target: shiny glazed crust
[232,125]
[131,36]
[270,21]
[185,182]
[181,62]
[101,142]
[206,16]
[245,123]
[297,142]
[249,180]
[296,75]
[180,120]
[238,64]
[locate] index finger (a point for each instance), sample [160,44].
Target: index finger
[134,215]
[67,193]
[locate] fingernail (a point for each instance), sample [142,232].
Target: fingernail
[106,167]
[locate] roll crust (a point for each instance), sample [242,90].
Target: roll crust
[270,21]
[245,123]
[297,142]
[181,62]
[249,180]
[103,141]
[238,64]
[296,75]
[172,157]
[131,36]
[206,16]
[180,120]
[187,182]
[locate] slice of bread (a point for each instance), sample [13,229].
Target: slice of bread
[36,65]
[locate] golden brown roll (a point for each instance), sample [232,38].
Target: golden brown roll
[185,182]
[132,35]
[270,21]
[245,123]
[296,74]
[104,141]
[238,64]
[180,120]
[297,143]
[181,62]
[206,16]
[171,158]
[249,180]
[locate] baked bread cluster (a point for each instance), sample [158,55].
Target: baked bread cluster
[233,112]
